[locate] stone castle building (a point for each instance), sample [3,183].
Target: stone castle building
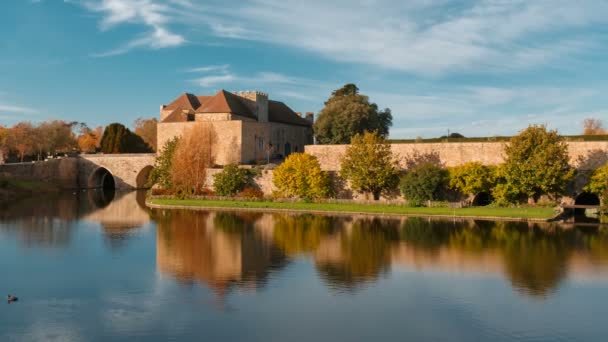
[248,126]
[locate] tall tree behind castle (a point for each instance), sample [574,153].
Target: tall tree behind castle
[119,139]
[347,113]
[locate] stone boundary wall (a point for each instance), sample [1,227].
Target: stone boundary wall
[583,154]
[62,172]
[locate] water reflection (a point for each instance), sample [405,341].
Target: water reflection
[50,220]
[222,250]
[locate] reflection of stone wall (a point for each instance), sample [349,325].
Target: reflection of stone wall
[452,154]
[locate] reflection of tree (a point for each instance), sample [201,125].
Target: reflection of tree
[220,250]
[296,234]
[365,254]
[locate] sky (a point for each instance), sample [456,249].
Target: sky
[478,67]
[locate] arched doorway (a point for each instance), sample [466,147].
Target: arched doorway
[102,179]
[585,198]
[142,177]
[482,199]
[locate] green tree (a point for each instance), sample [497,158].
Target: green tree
[424,182]
[369,165]
[598,184]
[536,163]
[300,176]
[347,113]
[471,178]
[231,180]
[161,174]
[119,139]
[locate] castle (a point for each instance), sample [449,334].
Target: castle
[249,126]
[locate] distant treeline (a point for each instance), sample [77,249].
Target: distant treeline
[27,141]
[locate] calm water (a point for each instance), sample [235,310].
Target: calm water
[87,269]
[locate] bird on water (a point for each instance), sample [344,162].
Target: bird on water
[11,298]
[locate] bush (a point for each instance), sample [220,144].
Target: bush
[250,192]
[231,180]
[598,184]
[161,174]
[300,176]
[192,156]
[424,182]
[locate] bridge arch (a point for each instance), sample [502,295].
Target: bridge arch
[482,199]
[142,177]
[101,178]
[585,198]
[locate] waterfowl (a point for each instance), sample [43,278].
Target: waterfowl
[11,298]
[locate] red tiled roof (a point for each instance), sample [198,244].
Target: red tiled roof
[176,116]
[184,101]
[280,112]
[225,102]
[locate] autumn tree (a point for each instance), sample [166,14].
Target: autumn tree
[21,139]
[347,113]
[592,126]
[89,139]
[146,129]
[193,155]
[300,176]
[56,136]
[369,165]
[536,163]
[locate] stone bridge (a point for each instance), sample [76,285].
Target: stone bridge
[118,171]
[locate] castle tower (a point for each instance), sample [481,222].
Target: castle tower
[257,102]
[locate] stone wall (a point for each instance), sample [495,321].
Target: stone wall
[583,154]
[228,148]
[63,172]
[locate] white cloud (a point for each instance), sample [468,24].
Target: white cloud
[12,109]
[154,15]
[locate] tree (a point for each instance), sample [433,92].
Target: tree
[369,165]
[300,176]
[471,178]
[21,138]
[598,184]
[146,129]
[592,126]
[536,163]
[231,180]
[193,155]
[89,140]
[347,113]
[119,139]
[423,183]
[161,173]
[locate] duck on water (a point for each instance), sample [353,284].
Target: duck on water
[11,299]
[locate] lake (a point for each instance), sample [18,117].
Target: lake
[95,266]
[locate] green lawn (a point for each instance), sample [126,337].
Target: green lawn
[526,212]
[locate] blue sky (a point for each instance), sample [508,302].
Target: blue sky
[483,67]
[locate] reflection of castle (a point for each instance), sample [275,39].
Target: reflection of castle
[214,249]
[248,125]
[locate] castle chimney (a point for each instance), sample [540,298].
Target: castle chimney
[310,116]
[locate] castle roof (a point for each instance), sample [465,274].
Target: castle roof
[227,102]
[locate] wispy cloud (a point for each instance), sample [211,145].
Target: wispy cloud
[12,109]
[155,16]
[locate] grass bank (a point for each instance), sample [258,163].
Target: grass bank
[527,213]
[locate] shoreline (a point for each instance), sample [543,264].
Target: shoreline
[340,209]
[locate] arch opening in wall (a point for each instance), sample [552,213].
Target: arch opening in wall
[101,178]
[142,177]
[585,198]
[482,199]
